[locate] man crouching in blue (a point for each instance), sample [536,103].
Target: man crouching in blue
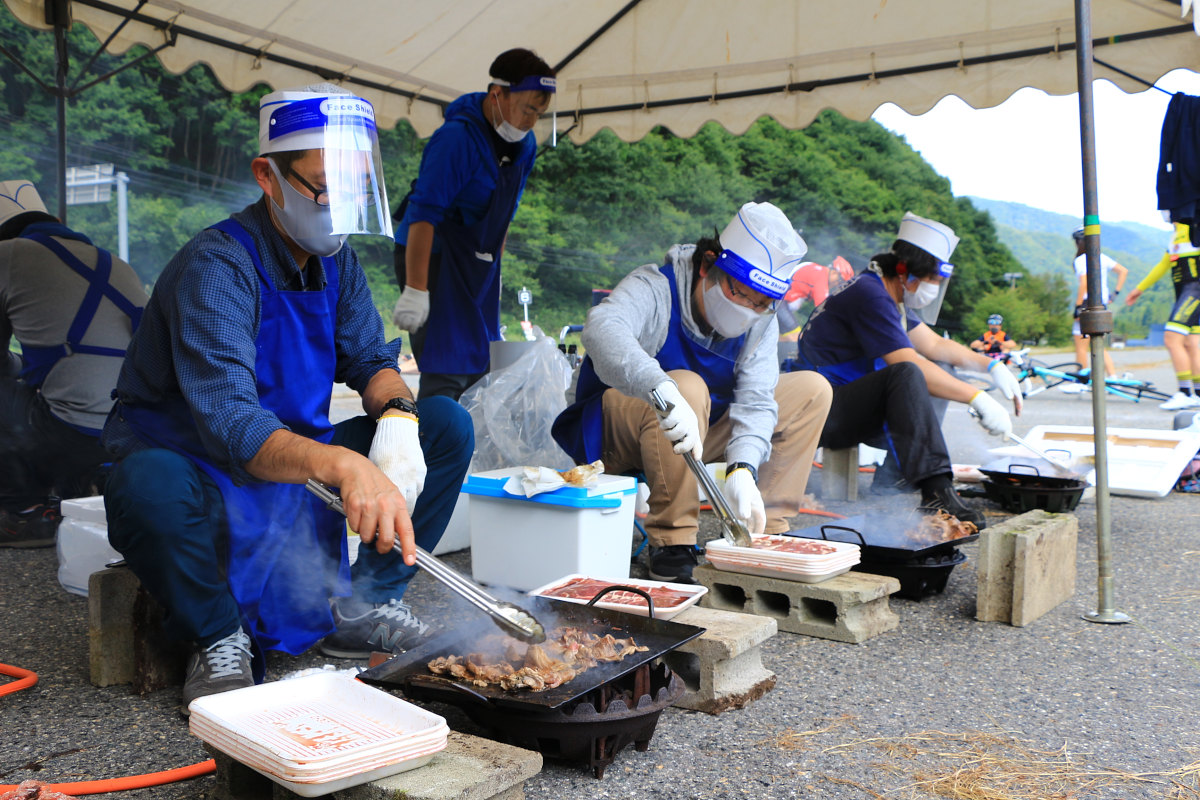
[222,415]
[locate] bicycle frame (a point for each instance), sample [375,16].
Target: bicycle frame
[1128,388]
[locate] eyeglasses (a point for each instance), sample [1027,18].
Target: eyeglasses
[322,196]
[743,299]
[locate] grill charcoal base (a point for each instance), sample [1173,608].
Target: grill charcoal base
[591,729]
[918,578]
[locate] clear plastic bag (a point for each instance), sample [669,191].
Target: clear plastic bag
[514,407]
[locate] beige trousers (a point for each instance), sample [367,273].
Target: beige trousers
[634,442]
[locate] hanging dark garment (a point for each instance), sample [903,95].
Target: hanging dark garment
[1179,161]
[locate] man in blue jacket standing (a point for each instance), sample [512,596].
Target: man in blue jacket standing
[455,219]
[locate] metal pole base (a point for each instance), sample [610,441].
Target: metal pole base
[1108,617]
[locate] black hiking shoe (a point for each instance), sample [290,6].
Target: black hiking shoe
[673,563]
[381,627]
[221,667]
[946,499]
[889,480]
[34,528]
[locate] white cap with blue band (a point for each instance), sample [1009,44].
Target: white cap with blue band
[762,249]
[931,236]
[530,83]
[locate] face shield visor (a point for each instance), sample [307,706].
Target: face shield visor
[342,128]
[930,306]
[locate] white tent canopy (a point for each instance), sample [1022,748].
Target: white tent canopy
[629,65]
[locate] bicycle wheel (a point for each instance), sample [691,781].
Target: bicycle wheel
[977,379]
[1135,390]
[1044,377]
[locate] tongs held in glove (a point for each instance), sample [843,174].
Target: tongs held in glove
[734,529]
[512,619]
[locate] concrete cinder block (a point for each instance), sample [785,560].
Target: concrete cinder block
[470,768]
[1026,566]
[839,474]
[126,641]
[722,669]
[851,607]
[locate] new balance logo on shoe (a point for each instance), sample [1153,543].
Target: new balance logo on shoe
[383,627]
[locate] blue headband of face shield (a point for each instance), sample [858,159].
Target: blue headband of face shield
[733,264]
[530,83]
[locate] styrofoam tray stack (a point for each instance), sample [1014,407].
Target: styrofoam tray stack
[320,733]
[804,567]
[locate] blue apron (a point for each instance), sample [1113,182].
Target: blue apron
[579,429]
[464,305]
[40,360]
[287,552]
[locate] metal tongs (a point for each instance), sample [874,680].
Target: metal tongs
[734,529]
[512,619]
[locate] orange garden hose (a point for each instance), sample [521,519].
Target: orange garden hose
[25,679]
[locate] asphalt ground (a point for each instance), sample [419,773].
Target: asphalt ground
[1063,708]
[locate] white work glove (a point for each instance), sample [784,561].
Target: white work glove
[745,501]
[680,426]
[396,450]
[412,309]
[1006,382]
[992,415]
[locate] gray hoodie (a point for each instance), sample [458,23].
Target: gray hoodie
[625,332]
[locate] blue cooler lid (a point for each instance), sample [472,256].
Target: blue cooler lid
[491,484]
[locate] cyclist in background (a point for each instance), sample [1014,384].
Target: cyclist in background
[1107,264]
[994,341]
[1182,334]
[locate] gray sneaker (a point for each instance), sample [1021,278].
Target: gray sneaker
[220,667]
[378,628]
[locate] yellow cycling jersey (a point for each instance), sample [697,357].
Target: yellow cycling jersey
[1181,259]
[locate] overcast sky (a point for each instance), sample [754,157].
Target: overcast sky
[1027,149]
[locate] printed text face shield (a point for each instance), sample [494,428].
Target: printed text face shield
[343,128]
[929,314]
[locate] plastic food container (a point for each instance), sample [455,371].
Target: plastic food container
[319,734]
[82,543]
[676,597]
[827,559]
[525,542]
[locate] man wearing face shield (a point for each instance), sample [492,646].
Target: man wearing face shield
[869,340]
[701,330]
[222,414]
[452,226]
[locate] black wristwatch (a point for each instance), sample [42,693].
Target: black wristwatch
[401,404]
[729,468]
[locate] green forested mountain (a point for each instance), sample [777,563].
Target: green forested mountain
[1041,241]
[590,213]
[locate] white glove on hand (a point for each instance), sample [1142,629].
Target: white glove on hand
[396,450]
[992,415]
[680,426]
[412,309]
[1005,381]
[745,501]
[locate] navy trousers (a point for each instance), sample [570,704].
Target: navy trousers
[167,518]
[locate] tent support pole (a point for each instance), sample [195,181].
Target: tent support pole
[1096,319]
[61,19]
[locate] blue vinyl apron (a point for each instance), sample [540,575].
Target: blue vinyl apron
[579,429]
[40,360]
[287,552]
[464,307]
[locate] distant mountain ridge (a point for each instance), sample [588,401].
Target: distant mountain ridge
[1041,240]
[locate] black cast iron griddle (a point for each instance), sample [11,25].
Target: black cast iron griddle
[1031,472]
[408,672]
[881,537]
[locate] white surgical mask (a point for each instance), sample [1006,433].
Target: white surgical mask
[505,129]
[925,294]
[727,317]
[307,223]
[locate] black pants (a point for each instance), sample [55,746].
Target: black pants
[890,409]
[431,384]
[40,455]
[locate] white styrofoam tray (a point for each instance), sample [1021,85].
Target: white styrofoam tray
[1142,462]
[787,574]
[333,721]
[638,606]
[838,551]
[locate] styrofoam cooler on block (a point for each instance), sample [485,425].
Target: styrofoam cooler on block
[526,542]
[457,535]
[83,546]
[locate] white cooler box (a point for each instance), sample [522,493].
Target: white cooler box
[83,546]
[527,542]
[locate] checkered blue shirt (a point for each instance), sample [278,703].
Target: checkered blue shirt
[197,339]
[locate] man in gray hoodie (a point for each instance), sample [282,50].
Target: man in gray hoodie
[701,330]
